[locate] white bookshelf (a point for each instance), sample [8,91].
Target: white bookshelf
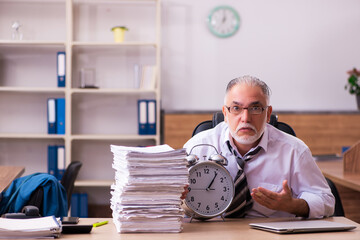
[95,118]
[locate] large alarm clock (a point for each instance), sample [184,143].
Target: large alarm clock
[211,187]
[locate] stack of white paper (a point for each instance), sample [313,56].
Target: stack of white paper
[147,189]
[29,228]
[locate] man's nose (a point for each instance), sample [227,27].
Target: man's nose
[245,115]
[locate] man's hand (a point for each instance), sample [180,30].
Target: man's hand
[185,192]
[282,201]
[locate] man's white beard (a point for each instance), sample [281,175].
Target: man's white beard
[247,139]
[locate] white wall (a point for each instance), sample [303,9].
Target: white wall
[301,48]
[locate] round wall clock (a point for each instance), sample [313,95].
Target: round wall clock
[223,21]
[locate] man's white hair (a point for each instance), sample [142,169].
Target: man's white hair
[250,81]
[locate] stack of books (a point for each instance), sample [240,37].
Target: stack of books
[148,185]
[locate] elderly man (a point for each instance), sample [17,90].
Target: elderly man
[276,167]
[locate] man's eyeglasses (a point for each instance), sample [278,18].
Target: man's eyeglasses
[254,110]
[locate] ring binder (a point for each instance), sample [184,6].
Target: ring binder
[51,115]
[60,116]
[151,109]
[61,69]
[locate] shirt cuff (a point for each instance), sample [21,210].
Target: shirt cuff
[316,205]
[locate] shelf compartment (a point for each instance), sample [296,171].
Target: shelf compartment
[31,153]
[31,15]
[105,114]
[27,115]
[93,21]
[29,65]
[114,66]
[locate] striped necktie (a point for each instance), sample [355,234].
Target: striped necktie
[242,201]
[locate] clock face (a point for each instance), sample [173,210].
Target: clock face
[211,189]
[223,21]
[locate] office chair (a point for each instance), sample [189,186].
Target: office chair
[52,201]
[68,181]
[339,210]
[218,117]
[69,177]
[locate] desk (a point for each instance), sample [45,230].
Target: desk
[8,174]
[333,169]
[212,230]
[348,186]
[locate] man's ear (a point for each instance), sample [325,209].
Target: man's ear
[224,113]
[268,115]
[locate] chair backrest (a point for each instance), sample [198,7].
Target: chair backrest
[339,210]
[218,117]
[68,181]
[41,190]
[69,177]
[203,126]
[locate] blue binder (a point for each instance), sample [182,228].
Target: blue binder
[52,160]
[60,116]
[61,69]
[74,212]
[79,205]
[151,110]
[142,117]
[83,205]
[51,115]
[61,164]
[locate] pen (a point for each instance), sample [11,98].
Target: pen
[98,224]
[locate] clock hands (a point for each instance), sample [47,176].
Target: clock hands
[209,187]
[212,181]
[223,17]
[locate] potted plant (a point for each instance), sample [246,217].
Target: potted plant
[119,33]
[353,84]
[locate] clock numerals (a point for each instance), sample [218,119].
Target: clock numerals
[210,189]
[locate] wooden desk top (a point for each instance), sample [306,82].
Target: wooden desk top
[333,169]
[213,230]
[8,174]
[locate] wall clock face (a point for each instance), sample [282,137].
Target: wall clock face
[223,21]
